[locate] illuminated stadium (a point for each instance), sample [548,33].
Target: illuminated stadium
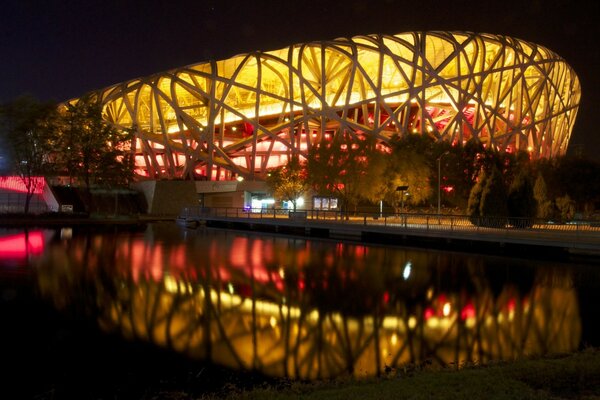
[245,115]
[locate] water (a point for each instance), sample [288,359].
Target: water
[118,313]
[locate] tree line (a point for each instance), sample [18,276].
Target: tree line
[473,179]
[42,139]
[73,141]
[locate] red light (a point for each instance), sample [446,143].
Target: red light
[468,311]
[447,189]
[21,245]
[429,313]
[386,297]
[16,184]
[511,304]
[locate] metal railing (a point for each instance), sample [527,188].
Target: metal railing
[401,220]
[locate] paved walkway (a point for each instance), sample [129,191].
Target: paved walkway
[581,237]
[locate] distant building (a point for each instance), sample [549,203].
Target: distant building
[240,117]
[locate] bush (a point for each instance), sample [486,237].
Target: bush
[521,202]
[487,201]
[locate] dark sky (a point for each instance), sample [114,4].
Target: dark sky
[61,49]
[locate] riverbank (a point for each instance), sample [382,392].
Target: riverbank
[564,376]
[64,219]
[447,232]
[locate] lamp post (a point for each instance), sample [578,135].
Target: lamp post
[439,162]
[402,189]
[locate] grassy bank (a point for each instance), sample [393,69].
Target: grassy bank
[558,377]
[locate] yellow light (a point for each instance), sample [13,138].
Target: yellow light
[429,293]
[394,339]
[171,284]
[273,322]
[433,322]
[412,322]
[470,322]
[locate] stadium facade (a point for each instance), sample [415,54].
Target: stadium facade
[245,115]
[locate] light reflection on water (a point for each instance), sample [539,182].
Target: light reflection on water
[308,308]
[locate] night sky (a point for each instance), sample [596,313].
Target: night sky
[56,50]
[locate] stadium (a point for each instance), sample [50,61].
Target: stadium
[243,116]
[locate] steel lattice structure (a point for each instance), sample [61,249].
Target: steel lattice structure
[249,113]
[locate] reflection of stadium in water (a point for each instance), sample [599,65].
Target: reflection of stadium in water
[311,309]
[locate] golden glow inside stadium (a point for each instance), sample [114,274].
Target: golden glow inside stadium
[245,115]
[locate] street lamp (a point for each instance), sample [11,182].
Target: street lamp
[439,161]
[402,189]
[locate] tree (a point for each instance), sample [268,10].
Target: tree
[29,131]
[338,167]
[375,182]
[488,199]
[566,207]
[521,201]
[460,168]
[474,203]
[580,179]
[540,193]
[410,166]
[93,151]
[493,199]
[288,182]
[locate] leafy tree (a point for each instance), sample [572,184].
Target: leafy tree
[338,167]
[545,208]
[474,204]
[411,165]
[288,182]
[488,198]
[521,201]
[93,151]
[566,207]
[375,182]
[493,198]
[460,168]
[580,179]
[29,130]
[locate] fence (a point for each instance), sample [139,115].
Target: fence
[13,202]
[402,220]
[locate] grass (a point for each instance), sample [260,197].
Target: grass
[559,377]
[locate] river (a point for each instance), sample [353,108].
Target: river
[164,301]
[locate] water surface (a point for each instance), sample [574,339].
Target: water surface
[280,305]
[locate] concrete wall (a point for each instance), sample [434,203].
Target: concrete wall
[168,197]
[230,199]
[50,199]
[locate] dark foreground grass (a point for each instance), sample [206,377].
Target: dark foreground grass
[572,376]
